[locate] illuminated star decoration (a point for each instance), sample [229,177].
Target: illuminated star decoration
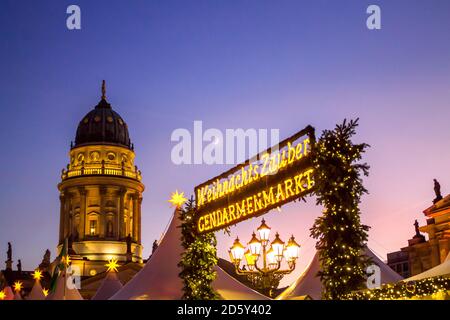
[45,292]
[65,260]
[37,275]
[2,295]
[18,286]
[112,265]
[177,199]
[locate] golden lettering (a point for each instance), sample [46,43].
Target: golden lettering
[288,186]
[201,224]
[264,169]
[258,202]
[249,205]
[279,193]
[240,209]
[231,210]
[298,151]
[268,198]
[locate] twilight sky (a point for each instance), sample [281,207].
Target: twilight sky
[231,64]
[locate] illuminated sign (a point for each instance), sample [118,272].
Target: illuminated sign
[279,175]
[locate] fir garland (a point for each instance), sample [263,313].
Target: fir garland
[420,289]
[199,258]
[341,236]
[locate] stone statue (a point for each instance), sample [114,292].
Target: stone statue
[9,252]
[19,266]
[46,257]
[129,243]
[437,191]
[418,237]
[416,225]
[45,263]
[155,246]
[9,257]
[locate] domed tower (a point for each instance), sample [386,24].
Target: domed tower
[101,193]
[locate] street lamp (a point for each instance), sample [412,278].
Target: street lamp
[267,276]
[237,251]
[278,246]
[254,245]
[264,231]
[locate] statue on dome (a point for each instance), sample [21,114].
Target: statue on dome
[9,252]
[155,246]
[19,266]
[129,243]
[9,257]
[437,191]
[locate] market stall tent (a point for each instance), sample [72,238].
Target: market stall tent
[110,286]
[64,292]
[9,294]
[159,279]
[36,292]
[308,283]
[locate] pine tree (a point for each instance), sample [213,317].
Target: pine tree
[199,258]
[341,236]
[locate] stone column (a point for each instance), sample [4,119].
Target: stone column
[414,262]
[435,257]
[120,215]
[82,226]
[102,222]
[443,249]
[138,220]
[62,217]
[71,215]
[66,231]
[135,217]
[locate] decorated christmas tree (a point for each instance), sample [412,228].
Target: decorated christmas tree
[199,258]
[341,236]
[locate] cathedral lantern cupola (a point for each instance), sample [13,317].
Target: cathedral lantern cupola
[101,192]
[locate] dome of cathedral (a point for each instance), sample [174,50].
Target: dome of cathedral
[102,125]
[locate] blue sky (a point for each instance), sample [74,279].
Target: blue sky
[231,64]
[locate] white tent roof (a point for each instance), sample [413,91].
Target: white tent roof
[17,296]
[309,284]
[387,274]
[110,285]
[9,294]
[63,292]
[442,269]
[159,279]
[306,284]
[231,289]
[36,292]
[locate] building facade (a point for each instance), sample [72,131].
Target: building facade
[101,193]
[399,262]
[424,255]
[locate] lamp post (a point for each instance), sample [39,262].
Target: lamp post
[267,274]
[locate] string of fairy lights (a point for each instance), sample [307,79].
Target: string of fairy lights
[340,235]
[199,258]
[419,289]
